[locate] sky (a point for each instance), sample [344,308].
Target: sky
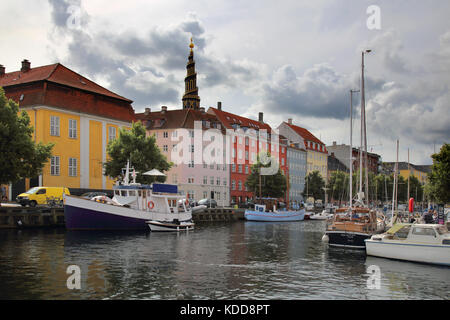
[288,59]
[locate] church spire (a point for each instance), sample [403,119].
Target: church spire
[190,97]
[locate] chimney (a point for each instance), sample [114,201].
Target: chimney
[261,117]
[202,109]
[163,109]
[290,120]
[219,105]
[147,111]
[26,65]
[2,70]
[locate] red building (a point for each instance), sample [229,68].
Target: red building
[251,138]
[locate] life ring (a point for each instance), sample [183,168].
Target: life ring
[151,205]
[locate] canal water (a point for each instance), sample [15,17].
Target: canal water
[239,260]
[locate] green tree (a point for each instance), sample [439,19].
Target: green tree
[438,186]
[338,186]
[20,156]
[273,186]
[314,184]
[140,150]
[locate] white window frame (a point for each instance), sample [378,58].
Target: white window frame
[55,169]
[73,167]
[54,126]
[73,129]
[112,136]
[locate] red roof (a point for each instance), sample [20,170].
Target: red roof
[228,119]
[307,136]
[56,73]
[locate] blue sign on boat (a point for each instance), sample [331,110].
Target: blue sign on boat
[166,188]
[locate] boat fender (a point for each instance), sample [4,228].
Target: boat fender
[151,205]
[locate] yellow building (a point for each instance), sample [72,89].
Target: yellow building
[76,114]
[418,171]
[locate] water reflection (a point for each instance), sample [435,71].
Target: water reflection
[240,260]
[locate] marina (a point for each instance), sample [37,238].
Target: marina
[236,260]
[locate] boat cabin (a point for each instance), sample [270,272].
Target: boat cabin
[419,233]
[152,198]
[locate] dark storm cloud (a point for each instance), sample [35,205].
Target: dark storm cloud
[147,69]
[319,92]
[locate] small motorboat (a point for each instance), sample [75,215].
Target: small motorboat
[426,243]
[170,226]
[324,215]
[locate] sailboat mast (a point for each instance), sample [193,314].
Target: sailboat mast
[363,129]
[351,150]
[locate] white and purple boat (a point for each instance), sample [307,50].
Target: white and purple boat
[131,208]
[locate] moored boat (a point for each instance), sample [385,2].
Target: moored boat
[263,213]
[131,207]
[425,243]
[170,226]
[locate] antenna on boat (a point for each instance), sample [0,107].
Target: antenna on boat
[351,148]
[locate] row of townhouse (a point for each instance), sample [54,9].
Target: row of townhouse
[81,117]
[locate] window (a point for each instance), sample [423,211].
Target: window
[72,167]
[191,180]
[191,164]
[205,194]
[165,148]
[174,178]
[205,179]
[233,185]
[54,126]
[174,147]
[224,181]
[165,134]
[240,185]
[72,128]
[246,169]
[211,180]
[246,141]
[191,147]
[423,231]
[218,181]
[54,166]
[191,133]
[240,168]
[111,133]
[233,167]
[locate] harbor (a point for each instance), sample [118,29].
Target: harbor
[237,260]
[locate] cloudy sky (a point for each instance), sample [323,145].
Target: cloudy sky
[289,59]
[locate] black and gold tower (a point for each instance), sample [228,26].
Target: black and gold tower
[190,97]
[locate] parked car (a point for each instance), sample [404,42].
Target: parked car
[90,195]
[209,203]
[39,195]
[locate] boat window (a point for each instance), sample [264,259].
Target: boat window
[132,193]
[140,193]
[403,232]
[117,192]
[123,193]
[423,231]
